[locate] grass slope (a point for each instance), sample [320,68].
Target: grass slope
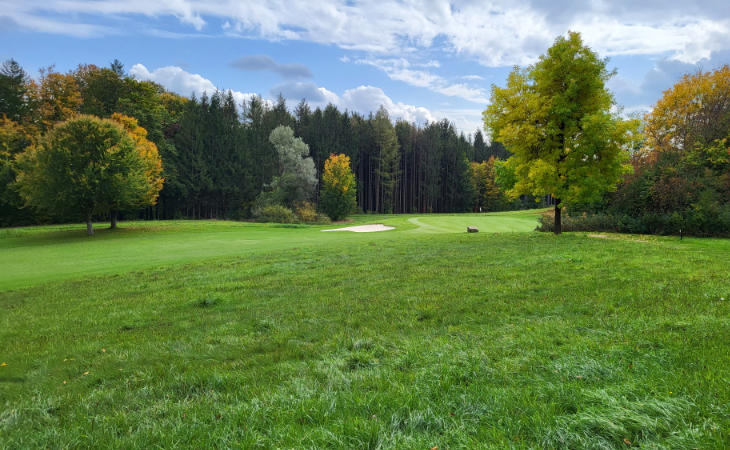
[403,339]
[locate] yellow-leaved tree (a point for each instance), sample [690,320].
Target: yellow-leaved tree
[694,113]
[338,197]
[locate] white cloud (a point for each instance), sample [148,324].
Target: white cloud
[498,33]
[634,111]
[315,95]
[177,80]
[54,26]
[466,120]
[365,99]
[401,69]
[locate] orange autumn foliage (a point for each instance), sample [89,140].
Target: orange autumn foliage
[694,112]
[148,152]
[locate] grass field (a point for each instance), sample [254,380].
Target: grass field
[200,334]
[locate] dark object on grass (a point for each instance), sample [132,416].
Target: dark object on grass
[472,230]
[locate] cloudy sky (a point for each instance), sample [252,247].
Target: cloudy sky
[422,60]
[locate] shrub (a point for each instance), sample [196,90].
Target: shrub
[306,212]
[323,219]
[274,213]
[696,222]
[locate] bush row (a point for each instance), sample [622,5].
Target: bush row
[691,223]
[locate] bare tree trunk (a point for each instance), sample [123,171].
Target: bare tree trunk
[558,225]
[113,224]
[89,226]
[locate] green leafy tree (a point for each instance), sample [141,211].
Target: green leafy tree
[339,197]
[87,166]
[487,196]
[100,90]
[149,162]
[555,117]
[297,177]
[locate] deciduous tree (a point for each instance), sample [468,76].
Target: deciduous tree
[555,117]
[297,177]
[338,198]
[694,113]
[487,196]
[58,97]
[13,140]
[151,169]
[86,166]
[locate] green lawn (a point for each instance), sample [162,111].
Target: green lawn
[67,253]
[200,334]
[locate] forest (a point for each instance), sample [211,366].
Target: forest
[217,158]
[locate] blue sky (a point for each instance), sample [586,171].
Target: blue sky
[421,60]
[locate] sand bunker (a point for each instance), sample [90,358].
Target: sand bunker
[365,228]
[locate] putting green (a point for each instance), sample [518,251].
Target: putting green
[492,223]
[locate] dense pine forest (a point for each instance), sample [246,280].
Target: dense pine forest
[217,157]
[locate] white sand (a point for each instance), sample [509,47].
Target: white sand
[365,228]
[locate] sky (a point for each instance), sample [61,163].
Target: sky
[422,61]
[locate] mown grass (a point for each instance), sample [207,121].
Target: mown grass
[406,339]
[33,255]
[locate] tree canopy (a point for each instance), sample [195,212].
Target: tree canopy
[339,197]
[695,112]
[86,166]
[297,178]
[681,179]
[555,117]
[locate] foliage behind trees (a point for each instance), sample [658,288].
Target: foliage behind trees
[488,196]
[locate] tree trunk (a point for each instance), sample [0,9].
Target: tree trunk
[558,225]
[89,227]
[113,215]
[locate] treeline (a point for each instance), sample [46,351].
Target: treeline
[216,154]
